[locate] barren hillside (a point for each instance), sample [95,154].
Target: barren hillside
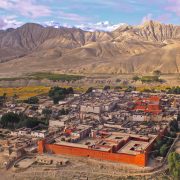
[129,49]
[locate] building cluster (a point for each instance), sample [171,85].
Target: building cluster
[13,146]
[107,125]
[121,127]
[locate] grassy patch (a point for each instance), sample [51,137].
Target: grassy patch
[55,77]
[44,75]
[12,79]
[150,79]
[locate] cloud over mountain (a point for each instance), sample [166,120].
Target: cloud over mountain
[99,26]
[9,22]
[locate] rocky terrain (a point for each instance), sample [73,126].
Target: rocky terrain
[129,49]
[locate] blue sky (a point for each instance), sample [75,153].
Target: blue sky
[83,13]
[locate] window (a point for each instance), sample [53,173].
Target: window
[136,145]
[118,137]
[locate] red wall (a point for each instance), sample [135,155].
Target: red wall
[140,159]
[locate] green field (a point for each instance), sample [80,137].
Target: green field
[49,76]
[55,77]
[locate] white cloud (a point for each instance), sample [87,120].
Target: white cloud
[28,8]
[72,17]
[56,24]
[146,18]
[9,22]
[99,26]
[2,24]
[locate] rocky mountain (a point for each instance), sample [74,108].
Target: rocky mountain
[128,49]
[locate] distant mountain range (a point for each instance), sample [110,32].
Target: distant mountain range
[128,49]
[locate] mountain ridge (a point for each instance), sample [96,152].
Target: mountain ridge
[128,49]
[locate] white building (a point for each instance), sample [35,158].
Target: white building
[40,134]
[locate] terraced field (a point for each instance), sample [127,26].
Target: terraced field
[24,92]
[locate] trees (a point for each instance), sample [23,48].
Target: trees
[4,95]
[130,88]
[56,99]
[118,80]
[117,88]
[157,72]
[47,112]
[70,90]
[31,122]
[163,150]
[32,100]
[9,120]
[178,118]
[174,165]
[161,146]
[89,90]
[174,126]
[63,111]
[3,99]
[106,88]
[136,78]
[58,93]
[174,90]
[13,121]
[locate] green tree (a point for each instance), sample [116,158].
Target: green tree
[15,96]
[178,118]
[118,80]
[89,90]
[32,100]
[13,121]
[174,165]
[58,93]
[174,126]
[106,88]
[136,78]
[31,123]
[70,90]
[63,111]
[9,120]
[163,150]
[157,72]
[173,90]
[47,111]
[5,95]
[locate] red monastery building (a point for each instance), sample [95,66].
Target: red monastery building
[149,105]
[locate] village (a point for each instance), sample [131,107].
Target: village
[101,124]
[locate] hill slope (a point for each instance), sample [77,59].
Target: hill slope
[129,49]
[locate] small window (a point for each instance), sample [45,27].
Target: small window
[136,145]
[118,137]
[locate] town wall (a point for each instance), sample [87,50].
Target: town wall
[140,159]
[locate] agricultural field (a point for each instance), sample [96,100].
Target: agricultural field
[151,87]
[46,75]
[55,77]
[24,92]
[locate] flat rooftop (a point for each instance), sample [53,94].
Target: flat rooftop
[117,137]
[63,143]
[99,147]
[134,147]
